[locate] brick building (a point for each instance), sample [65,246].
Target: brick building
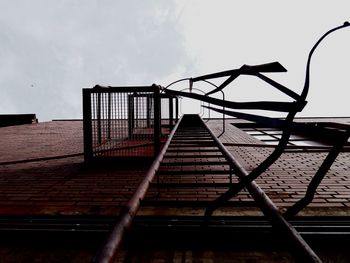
[56,208]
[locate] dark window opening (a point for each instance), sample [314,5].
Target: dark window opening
[272,136]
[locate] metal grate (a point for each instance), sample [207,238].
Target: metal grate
[121,121]
[126,121]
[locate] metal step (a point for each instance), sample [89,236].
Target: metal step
[194,156]
[192,172]
[186,163]
[192,185]
[194,151]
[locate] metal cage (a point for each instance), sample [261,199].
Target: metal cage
[126,121]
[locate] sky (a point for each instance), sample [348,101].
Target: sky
[51,49]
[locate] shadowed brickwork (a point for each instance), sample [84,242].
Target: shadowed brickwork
[62,186]
[285,181]
[67,186]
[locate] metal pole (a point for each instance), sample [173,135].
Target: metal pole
[177,109]
[157,119]
[130,115]
[99,132]
[148,110]
[87,125]
[223,115]
[171,113]
[109,116]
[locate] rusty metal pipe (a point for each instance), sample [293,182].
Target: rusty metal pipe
[108,251]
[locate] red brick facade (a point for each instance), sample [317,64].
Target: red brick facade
[68,186]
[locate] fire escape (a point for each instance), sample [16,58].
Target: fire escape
[141,122]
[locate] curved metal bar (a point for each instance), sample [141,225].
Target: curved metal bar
[332,155]
[255,173]
[307,74]
[201,113]
[223,116]
[208,112]
[256,105]
[176,81]
[244,70]
[210,83]
[223,107]
[225,83]
[318,177]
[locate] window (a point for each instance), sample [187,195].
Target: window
[272,136]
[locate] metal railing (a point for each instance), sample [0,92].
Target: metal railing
[113,242]
[125,121]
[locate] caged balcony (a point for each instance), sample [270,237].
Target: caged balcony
[126,122]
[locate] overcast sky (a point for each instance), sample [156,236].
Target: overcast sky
[51,49]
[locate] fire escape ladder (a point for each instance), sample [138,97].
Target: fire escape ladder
[192,136]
